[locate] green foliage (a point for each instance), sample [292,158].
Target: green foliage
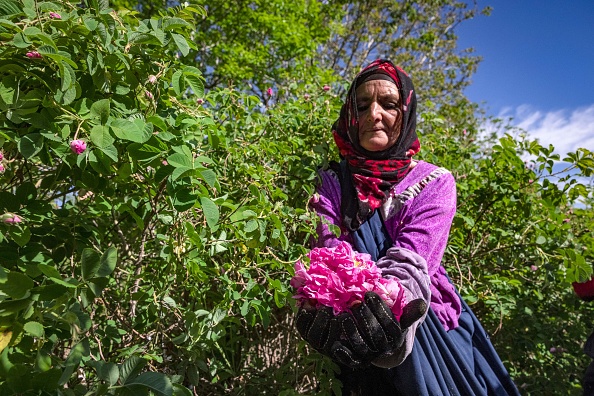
[157,260]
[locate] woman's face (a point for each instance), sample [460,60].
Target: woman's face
[380,116]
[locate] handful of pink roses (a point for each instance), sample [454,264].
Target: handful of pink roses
[339,277]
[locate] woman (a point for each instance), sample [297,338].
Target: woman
[399,211]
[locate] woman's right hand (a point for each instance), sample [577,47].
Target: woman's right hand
[319,327]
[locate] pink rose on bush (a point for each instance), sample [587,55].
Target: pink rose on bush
[152,79]
[339,277]
[55,15]
[78,146]
[10,218]
[33,55]
[2,169]
[270,92]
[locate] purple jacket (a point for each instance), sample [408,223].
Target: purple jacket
[420,225]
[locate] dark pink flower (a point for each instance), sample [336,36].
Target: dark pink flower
[269,91]
[2,169]
[33,55]
[1,156]
[149,95]
[55,15]
[326,88]
[566,220]
[199,101]
[306,96]
[339,277]
[78,146]
[533,267]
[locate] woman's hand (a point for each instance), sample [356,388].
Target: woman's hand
[372,331]
[319,327]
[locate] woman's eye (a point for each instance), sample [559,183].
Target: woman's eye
[390,106]
[362,108]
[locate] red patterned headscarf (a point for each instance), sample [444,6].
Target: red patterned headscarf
[373,173]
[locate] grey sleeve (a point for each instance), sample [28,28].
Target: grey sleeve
[411,270]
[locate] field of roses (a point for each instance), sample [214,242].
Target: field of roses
[152,211]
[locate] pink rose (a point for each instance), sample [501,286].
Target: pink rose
[149,95]
[326,88]
[199,101]
[10,218]
[55,15]
[339,277]
[78,146]
[1,156]
[270,92]
[152,79]
[392,293]
[33,55]
[2,169]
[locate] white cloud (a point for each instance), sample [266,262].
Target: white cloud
[566,130]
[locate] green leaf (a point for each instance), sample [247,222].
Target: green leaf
[10,7]
[176,82]
[26,192]
[31,144]
[174,23]
[182,43]
[20,234]
[158,383]
[179,160]
[183,200]
[108,262]
[132,131]
[34,328]
[90,261]
[106,371]
[196,84]
[541,239]
[17,285]
[79,351]
[110,151]
[179,172]
[100,109]
[101,137]
[131,367]
[211,212]
[209,177]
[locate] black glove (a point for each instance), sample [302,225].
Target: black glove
[372,331]
[319,327]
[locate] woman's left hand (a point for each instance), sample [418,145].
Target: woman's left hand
[372,331]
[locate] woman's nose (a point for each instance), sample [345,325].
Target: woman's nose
[375,111]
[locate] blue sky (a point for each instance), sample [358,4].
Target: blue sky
[538,67]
